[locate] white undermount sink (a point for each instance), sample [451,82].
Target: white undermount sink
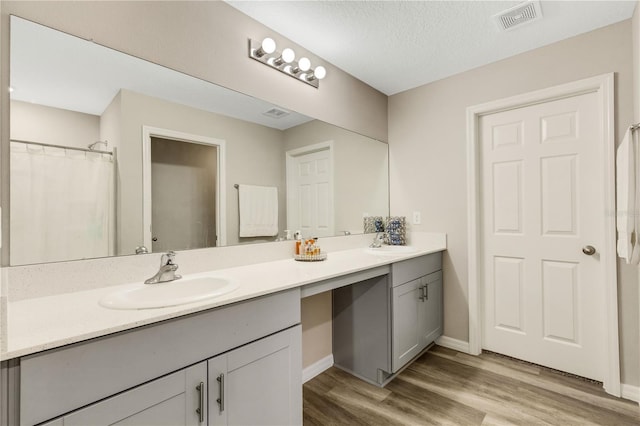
[173,293]
[386,250]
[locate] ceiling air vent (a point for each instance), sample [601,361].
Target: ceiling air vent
[276,113]
[518,15]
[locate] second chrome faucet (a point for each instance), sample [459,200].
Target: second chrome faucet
[377,240]
[167,271]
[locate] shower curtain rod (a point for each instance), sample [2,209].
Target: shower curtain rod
[61,146]
[634,127]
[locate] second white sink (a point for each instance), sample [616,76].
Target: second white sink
[173,293]
[386,250]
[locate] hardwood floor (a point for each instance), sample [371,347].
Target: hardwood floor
[446,387]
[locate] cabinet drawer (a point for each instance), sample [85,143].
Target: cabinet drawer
[58,381]
[411,269]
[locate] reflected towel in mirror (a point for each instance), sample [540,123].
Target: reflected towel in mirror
[258,210]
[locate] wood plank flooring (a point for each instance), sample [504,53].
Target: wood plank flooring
[445,387]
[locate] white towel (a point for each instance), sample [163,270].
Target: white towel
[626,193]
[635,213]
[258,210]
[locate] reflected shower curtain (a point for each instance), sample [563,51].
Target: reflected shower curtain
[61,204]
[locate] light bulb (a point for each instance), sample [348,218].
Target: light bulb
[288,55]
[268,45]
[304,64]
[320,72]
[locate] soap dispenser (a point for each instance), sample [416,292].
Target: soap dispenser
[298,237]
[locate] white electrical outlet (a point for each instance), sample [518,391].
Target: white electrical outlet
[416,218]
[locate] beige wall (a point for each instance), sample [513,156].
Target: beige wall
[361,170]
[110,123]
[316,328]
[428,170]
[39,123]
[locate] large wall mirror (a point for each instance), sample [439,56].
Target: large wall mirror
[111,154]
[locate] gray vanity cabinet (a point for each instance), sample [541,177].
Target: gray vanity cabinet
[408,311]
[417,317]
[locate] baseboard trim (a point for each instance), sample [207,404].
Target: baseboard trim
[455,344]
[316,368]
[630,392]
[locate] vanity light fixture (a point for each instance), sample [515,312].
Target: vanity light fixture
[285,62]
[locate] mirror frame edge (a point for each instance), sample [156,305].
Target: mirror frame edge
[4,136]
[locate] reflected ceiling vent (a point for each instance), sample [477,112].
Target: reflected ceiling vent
[518,15]
[276,113]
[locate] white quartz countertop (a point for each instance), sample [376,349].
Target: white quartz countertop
[43,323]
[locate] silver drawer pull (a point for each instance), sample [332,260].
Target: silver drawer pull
[220,400]
[200,409]
[426,291]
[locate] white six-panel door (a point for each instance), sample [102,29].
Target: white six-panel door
[310,193]
[540,206]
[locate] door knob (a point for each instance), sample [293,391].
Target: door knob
[589,250]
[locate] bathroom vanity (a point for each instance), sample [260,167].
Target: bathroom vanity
[235,359]
[199,369]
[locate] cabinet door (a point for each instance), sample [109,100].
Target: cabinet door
[407,316]
[263,385]
[171,400]
[432,308]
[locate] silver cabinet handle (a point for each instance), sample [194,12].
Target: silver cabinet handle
[589,250]
[220,400]
[426,291]
[200,409]
[421,290]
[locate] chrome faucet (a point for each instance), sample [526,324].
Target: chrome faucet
[141,250]
[377,240]
[167,271]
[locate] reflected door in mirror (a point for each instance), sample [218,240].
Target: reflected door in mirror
[311,183]
[183,195]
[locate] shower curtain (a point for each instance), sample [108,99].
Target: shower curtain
[61,204]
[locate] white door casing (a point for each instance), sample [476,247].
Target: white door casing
[310,190]
[221,195]
[540,220]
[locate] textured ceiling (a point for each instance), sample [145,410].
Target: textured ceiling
[398,45]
